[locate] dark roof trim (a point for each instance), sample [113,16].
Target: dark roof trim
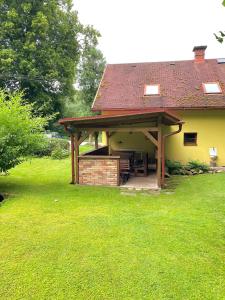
[171,108]
[122,119]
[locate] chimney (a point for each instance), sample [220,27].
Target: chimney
[199,53]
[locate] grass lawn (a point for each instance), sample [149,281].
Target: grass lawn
[60,241]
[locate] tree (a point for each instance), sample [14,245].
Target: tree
[20,132]
[221,35]
[39,51]
[90,69]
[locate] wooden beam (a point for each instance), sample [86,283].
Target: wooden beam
[72,160]
[82,138]
[107,140]
[150,137]
[120,129]
[76,147]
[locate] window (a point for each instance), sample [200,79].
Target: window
[211,88]
[190,139]
[151,90]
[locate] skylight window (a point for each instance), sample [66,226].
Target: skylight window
[152,89]
[212,88]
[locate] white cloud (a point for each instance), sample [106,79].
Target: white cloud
[154,30]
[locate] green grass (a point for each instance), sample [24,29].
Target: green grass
[86,148]
[60,241]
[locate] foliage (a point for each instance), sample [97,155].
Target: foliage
[90,70]
[174,167]
[197,166]
[220,36]
[41,45]
[77,107]
[77,242]
[192,167]
[50,145]
[59,153]
[20,132]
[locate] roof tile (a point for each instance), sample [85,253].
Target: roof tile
[122,85]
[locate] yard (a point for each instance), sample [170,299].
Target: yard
[60,241]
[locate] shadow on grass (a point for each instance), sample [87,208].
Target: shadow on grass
[172,183]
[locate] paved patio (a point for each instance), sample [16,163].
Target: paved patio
[142,183]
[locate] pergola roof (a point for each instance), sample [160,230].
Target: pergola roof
[80,128]
[165,117]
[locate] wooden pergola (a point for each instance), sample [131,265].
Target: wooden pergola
[151,124]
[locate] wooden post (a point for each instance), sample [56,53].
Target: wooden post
[163,162]
[72,160]
[96,140]
[163,150]
[158,144]
[76,146]
[159,158]
[108,142]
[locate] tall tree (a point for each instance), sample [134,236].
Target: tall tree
[39,50]
[90,68]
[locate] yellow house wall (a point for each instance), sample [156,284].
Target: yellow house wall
[133,141]
[210,128]
[104,139]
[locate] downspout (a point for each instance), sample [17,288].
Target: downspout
[163,150]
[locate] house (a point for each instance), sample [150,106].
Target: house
[158,110]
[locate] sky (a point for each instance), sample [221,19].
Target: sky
[154,30]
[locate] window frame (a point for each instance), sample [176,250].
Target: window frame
[190,143]
[215,82]
[150,95]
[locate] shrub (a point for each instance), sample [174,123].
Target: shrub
[174,167]
[43,149]
[59,153]
[192,167]
[21,133]
[50,145]
[58,143]
[197,166]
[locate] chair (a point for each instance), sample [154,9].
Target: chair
[141,165]
[124,170]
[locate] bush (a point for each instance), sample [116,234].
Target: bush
[51,145]
[192,167]
[58,143]
[43,149]
[21,133]
[174,167]
[59,153]
[197,166]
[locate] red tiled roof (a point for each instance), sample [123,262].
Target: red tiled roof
[122,85]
